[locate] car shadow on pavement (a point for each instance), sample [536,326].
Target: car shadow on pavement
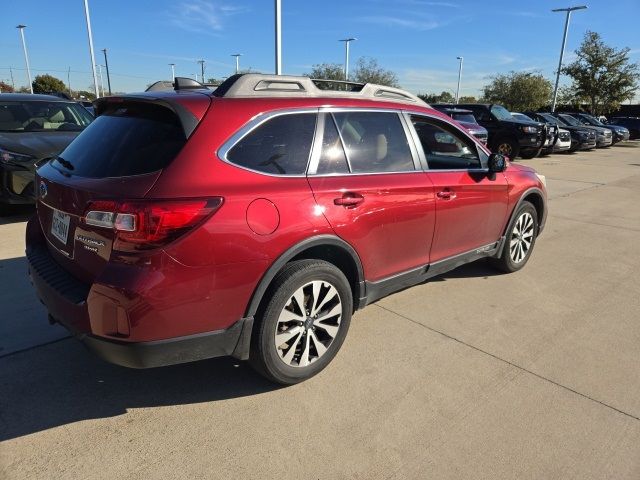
[17,213]
[61,383]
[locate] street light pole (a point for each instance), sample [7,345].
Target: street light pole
[201,62]
[459,77]
[278,9]
[346,41]
[101,80]
[564,41]
[106,65]
[26,57]
[237,55]
[93,58]
[173,71]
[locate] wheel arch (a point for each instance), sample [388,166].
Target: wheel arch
[536,197]
[322,247]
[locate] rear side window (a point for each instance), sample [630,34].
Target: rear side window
[280,146]
[374,142]
[128,139]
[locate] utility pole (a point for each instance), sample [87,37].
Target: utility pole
[69,81]
[26,57]
[173,71]
[564,41]
[278,9]
[459,77]
[106,65]
[101,80]
[13,84]
[346,41]
[201,62]
[93,58]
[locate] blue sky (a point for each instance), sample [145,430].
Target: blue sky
[417,39]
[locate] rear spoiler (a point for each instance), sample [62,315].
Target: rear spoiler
[188,120]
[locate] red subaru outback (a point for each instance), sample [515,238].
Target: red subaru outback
[253,220]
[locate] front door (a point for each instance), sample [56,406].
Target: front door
[366,181]
[471,204]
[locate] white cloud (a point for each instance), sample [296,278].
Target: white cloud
[202,16]
[420,24]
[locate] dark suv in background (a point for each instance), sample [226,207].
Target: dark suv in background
[32,128]
[581,138]
[604,136]
[507,135]
[630,123]
[619,133]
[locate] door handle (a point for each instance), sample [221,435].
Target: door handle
[446,194]
[349,200]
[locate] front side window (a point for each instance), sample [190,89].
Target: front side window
[374,142]
[444,148]
[280,146]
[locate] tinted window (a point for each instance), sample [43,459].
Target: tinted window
[445,148]
[464,117]
[280,146]
[34,116]
[374,142]
[130,139]
[501,113]
[332,156]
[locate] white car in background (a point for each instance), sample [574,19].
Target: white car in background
[563,144]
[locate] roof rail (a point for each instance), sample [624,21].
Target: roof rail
[259,85]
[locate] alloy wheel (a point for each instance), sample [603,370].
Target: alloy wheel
[505,149]
[308,323]
[521,238]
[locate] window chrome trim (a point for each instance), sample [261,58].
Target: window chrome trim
[254,123]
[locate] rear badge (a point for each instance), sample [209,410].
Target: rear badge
[43,189]
[90,242]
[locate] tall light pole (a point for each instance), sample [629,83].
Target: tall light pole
[459,77]
[237,55]
[93,58]
[101,80]
[106,65]
[347,41]
[564,41]
[278,11]
[173,71]
[26,57]
[201,62]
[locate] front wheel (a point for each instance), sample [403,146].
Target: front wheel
[520,239]
[304,322]
[508,147]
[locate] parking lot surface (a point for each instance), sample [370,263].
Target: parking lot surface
[533,375]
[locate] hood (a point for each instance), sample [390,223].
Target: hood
[37,144]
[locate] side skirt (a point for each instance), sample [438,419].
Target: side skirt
[382,288]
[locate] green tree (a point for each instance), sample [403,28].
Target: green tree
[48,84]
[5,87]
[568,96]
[468,99]
[84,94]
[519,91]
[444,97]
[367,70]
[602,74]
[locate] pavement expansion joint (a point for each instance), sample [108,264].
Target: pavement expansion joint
[503,360]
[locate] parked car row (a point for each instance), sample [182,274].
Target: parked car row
[529,134]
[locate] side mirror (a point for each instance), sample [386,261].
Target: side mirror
[497,163]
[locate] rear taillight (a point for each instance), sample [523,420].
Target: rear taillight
[146,224]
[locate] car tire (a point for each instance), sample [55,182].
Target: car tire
[292,342]
[519,240]
[507,146]
[528,155]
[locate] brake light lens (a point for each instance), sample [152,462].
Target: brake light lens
[146,224]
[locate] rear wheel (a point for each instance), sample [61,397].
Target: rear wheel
[303,324]
[507,146]
[520,239]
[529,154]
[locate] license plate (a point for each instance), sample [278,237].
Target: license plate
[60,226]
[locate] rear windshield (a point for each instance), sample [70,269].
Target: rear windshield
[38,116]
[128,139]
[464,117]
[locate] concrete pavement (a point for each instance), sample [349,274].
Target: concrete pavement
[471,375]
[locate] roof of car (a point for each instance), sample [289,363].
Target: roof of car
[26,97]
[452,109]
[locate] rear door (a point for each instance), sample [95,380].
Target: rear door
[366,180]
[118,157]
[471,204]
